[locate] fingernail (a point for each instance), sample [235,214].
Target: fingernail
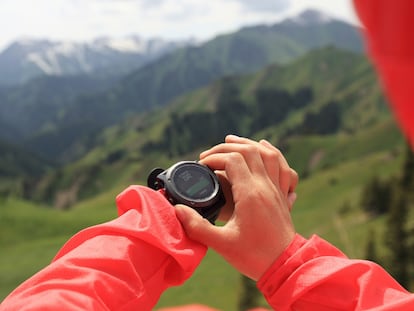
[264,141]
[232,136]
[203,154]
[292,196]
[180,213]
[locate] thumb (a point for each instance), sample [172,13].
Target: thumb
[292,196]
[196,227]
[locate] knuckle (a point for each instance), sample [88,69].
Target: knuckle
[235,157]
[250,151]
[294,176]
[272,156]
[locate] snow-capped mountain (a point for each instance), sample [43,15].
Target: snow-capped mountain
[26,59]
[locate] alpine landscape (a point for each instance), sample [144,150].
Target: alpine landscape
[79,122]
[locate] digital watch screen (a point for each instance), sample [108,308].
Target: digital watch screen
[192,184]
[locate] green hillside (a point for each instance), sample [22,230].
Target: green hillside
[31,235]
[292,106]
[329,93]
[64,128]
[17,166]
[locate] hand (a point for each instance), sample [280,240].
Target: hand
[262,193]
[269,152]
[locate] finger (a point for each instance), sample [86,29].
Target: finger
[196,227]
[290,178]
[230,140]
[272,158]
[233,163]
[227,210]
[237,139]
[281,159]
[292,196]
[270,147]
[249,152]
[273,161]
[294,180]
[215,149]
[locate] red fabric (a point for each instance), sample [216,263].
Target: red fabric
[313,275]
[198,307]
[389,32]
[195,307]
[127,263]
[124,264]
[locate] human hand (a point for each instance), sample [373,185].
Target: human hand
[270,151]
[262,188]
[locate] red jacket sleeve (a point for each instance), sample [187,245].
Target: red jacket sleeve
[388,29]
[312,275]
[124,264]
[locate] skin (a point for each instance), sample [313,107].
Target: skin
[259,187]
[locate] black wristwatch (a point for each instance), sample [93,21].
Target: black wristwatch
[192,184]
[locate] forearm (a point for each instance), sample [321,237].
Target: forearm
[124,264]
[314,275]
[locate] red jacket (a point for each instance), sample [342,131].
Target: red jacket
[127,263]
[389,36]
[124,264]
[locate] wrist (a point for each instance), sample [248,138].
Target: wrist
[296,243]
[270,255]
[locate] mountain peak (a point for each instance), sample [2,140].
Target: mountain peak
[310,17]
[28,58]
[130,44]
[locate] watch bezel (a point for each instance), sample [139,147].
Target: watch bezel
[178,196]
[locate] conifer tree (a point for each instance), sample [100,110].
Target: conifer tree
[407,177]
[249,294]
[376,197]
[371,248]
[407,185]
[396,239]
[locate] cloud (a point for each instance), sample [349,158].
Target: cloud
[172,19]
[86,19]
[265,5]
[150,3]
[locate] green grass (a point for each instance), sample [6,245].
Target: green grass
[23,259]
[215,283]
[312,153]
[328,205]
[321,200]
[31,235]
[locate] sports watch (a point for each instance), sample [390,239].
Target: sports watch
[192,184]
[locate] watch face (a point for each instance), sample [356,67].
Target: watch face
[194,182]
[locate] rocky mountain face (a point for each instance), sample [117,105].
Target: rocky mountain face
[26,59]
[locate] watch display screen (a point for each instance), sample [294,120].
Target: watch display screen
[193,182]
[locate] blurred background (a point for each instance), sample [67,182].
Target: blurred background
[94,94]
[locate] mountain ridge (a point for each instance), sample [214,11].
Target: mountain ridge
[62,118]
[25,59]
[264,104]
[158,83]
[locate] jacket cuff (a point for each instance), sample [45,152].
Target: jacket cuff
[299,252]
[266,287]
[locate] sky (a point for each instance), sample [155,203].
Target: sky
[82,20]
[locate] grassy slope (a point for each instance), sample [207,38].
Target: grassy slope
[31,235]
[328,200]
[327,71]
